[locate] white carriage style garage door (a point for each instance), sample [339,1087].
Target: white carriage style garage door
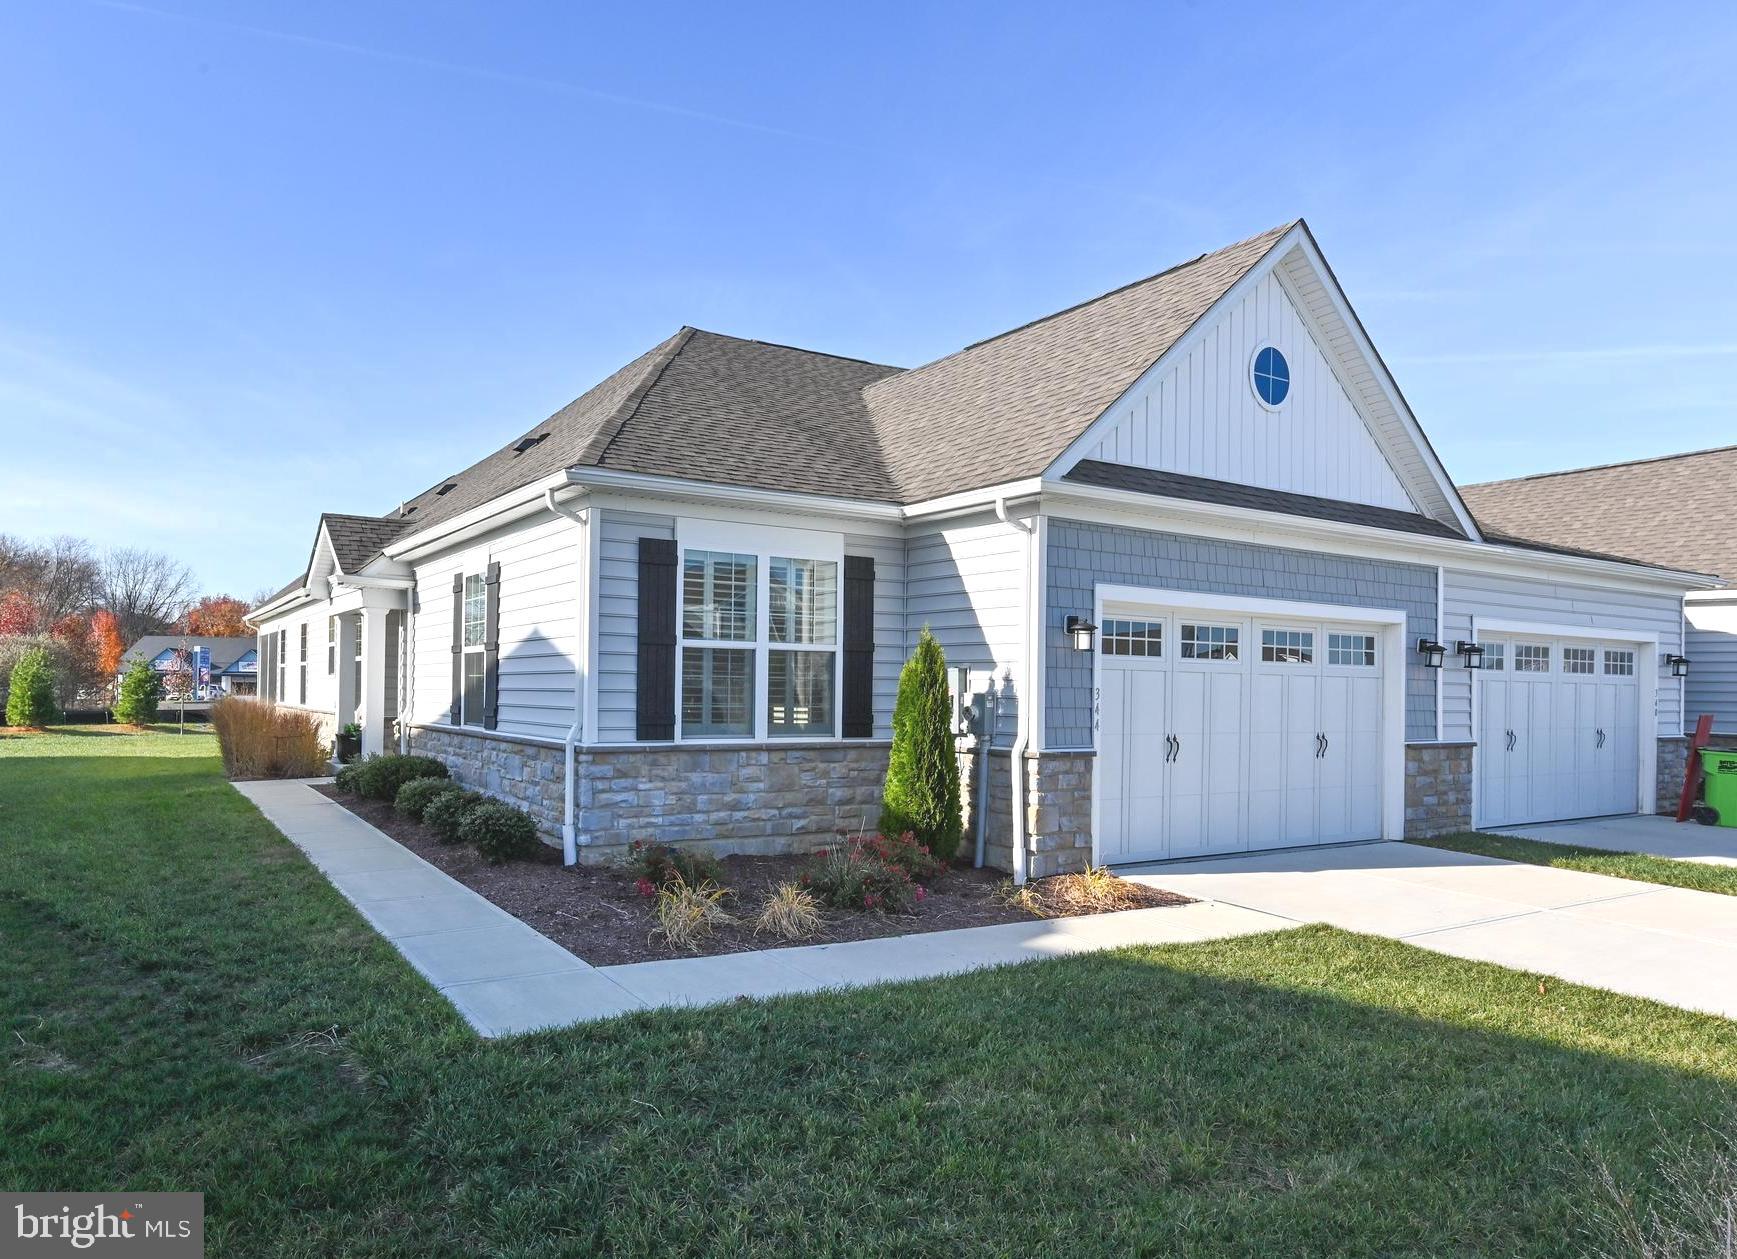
[1224,733]
[1558,729]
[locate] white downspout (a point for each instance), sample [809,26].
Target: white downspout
[582,596]
[1022,727]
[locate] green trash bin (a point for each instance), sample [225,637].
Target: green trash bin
[1719,769]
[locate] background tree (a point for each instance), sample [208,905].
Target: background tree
[145,590]
[30,691]
[217,616]
[922,788]
[106,642]
[136,705]
[18,614]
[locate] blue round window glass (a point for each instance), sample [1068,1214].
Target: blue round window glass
[1272,376]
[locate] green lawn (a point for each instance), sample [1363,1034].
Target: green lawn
[185,1004]
[1621,865]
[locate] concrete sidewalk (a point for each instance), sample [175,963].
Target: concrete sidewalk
[505,977]
[1665,943]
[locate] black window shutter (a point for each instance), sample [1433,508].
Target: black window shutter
[492,647]
[456,714]
[265,668]
[858,704]
[654,706]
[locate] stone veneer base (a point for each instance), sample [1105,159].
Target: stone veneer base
[1438,788]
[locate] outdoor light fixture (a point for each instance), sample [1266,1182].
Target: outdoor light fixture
[1679,666]
[1432,652]
[1473,653]
[1080,632]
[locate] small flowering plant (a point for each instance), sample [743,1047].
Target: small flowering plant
[663,864]
[858,875]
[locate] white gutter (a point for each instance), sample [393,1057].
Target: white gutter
[582,595]
[735,495]
[374,583]
[1027,697]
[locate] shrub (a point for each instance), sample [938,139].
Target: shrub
[852,877]
[446,815]
[662,864]
[688,915]
[416,795]
[500,832]
[904,852]
[141,688]
[346,778]
[922,788]
[261,740]
[30,701]
[72,673]
[380,777]
[790,912]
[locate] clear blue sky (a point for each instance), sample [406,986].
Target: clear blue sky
[316,255]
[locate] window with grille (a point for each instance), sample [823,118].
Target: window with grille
[1619,663]
[1209,642]
[802,628]
[1356,650]
[1493,656]
[1287,646]
[476,604]
[1531,658]
[1579,660]
[1131,638]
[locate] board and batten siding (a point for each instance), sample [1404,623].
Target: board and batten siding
[1200,416]
[1469,598]
[539,641]
[618,618]
[966,582]
[1712,681]
[1082,556]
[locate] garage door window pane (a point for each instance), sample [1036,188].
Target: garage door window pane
[1578,659]
[1493,657]
[1209,642]
[1531,658]
[1132,638]
[1355,650]
[1619,663]
[1287,647]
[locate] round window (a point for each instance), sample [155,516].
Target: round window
[1271,376]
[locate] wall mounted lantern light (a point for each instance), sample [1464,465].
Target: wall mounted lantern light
[1432,652]
[1679,666]
[1474,654]
[1080,631]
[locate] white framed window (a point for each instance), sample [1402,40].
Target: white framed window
[1287,646]
[1494,655]
[282,695]
[331,646]
[1131,638]
[1208,642]
[1531,658]
[759,627]
[475,666]
[1579,660]
[302,688]
[1352,650]
[1618,663]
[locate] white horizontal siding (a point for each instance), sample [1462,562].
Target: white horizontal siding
[539,644]
[1712,682]
[322,693]
[1200,415]
[1476,597]
[966,582]
[890,642]
[618,617]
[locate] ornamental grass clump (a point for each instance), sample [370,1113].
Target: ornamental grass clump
[261,740]
[688,916]
[921,796]
[790,913]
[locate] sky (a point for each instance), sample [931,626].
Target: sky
[259,261]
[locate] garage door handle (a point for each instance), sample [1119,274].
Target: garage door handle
[1326,745]
[1511,740]
[1177,739]
[1169,747]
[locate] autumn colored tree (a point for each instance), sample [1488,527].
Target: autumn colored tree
[217,616]
[19,614]
[73,632]
[106,642]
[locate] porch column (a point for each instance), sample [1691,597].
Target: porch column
[373,698]
[348,629]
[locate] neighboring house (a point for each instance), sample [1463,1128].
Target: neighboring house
[677,608]
[234,664]
[1677,510]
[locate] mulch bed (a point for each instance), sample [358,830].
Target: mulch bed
[596,912]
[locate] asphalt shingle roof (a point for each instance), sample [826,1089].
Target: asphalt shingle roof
[1679,511]
[358,539]
[224,651]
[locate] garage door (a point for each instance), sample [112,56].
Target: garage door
[1558,730]
[1224,734]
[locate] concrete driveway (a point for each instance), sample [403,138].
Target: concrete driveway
[1664,943]
[1661,836]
